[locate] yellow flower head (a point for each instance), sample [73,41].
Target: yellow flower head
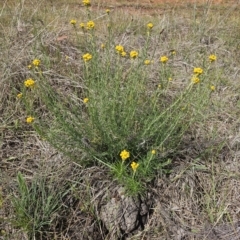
[124,154]
[36,62]
[195,79]
[29,83]
[30,119]
[119,48]
[198,71]
[212,88]
[19,95]
[73,22]
[153,152]
[82,25]
[86,3]
[212,58]
[163,59]
[102,46]
[170,79]
[87,57]
[133,54]
[123,54]
[85,100]
[150,26]
[173,52]
[134,166]
[90,25]
[29,66]
[107,11]
[147,62]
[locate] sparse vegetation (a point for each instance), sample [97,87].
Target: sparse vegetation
[151,102]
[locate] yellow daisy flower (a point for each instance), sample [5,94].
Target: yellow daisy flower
[30,119]
[73,22]
[212,58]
[133,54]
[124,154]
[90,25]
[29,83]
[87,57]
[163,59]
[134,166]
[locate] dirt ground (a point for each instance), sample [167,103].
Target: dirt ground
[179,2]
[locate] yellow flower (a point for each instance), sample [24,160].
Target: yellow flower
[124,154]
[153,152]
[85,100]
[86,3]
[150,26]
[195,79]
[30,119]
[107,11]
[170,79]
[159,86]
[163,59]
[19,95]
[102,46]
[212,58]
[124,54]
[29,83]
[36,62]
[29,66]
[87,57]
[82,25]
[173,52]
[119,48]
[73,22]
[90,25]
[212,88]
[133,54]
[147,62]
[134,166]
[198,71]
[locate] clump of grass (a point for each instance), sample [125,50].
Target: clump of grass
[112,113]
[35,205]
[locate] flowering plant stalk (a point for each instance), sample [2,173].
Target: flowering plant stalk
[113,114]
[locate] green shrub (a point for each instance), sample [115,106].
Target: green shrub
[119,110]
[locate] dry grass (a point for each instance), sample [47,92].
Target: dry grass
[199,199]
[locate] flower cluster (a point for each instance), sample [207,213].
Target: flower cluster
[86,3]
[133,54]
[85,100]
[82,25]
[119,48]
[30,119]
[150,26]
[212,88]
[19,95]
[197,71]
[134,166]
[29,83]
[147,62]
[36,62]
[87,57]
[124,154]
[90,25]
[195,79]
[212,58]
[73,22]
[163,59]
